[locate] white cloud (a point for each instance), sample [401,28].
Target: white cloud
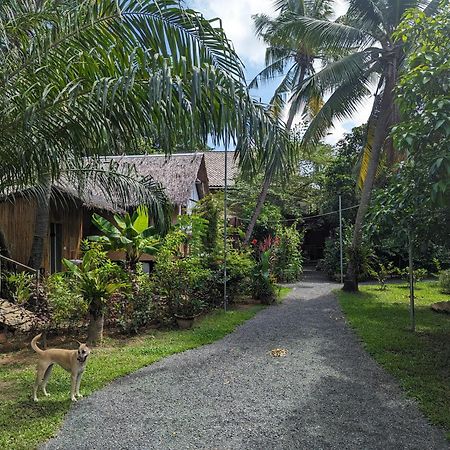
[238,24]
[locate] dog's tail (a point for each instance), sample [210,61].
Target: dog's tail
[34,344]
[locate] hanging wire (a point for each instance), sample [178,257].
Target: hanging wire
[308,217]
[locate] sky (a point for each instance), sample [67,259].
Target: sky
[238,25]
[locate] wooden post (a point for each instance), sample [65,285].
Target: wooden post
[411,283]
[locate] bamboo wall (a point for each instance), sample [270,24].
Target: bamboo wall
[17,223]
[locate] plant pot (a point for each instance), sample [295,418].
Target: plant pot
[184,323]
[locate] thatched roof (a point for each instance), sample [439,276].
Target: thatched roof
[215,165]
[177,173]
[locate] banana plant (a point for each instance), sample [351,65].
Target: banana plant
[129,233]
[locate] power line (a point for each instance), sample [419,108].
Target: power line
[309,217]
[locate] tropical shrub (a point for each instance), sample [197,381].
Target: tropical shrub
[263,283]
[96,279]
[444,281]
[130,233]
[240,267]
[66,305]
[21,286]
[288,261]
[184,285]
[207,208]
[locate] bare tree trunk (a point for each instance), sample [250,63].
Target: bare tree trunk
[385,120]
[95,329]
[40,225]
[258,208]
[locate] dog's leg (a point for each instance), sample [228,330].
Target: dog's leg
[40,373]
[78,385]
[73,386]
[46,377]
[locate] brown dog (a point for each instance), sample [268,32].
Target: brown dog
[74,361]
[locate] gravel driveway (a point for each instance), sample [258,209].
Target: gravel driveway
[327,393]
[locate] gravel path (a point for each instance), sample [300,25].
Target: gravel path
[327,393]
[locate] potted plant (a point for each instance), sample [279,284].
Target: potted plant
[186,309]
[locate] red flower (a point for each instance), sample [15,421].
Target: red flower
[254,242]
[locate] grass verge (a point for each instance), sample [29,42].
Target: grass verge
[282,292]
[24,424]
[420,360]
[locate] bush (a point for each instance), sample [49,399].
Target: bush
[444,281]
[66,305]
[263,285]
[183,284]
[287,257]
[21,285]
[240,266]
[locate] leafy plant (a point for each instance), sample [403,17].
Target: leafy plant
[21,284]
[444,281]
[383,272]
[96,279]
[130,233]
[65,303]
[287,265]
[263,287]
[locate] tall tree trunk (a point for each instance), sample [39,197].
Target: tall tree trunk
[382,128]
[259,205]
[40,225]
[268,176]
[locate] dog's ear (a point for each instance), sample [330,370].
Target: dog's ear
[78,342]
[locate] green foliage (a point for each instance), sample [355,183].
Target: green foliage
[96,279]
[193,230]
[423,97]
[181,278]
[405,205]
[339,176]
[382,273]
[65,303]
[263,287]
[240,267]
[444,281]
[130,233]
[21,285]
[208,209]
[287,258]
[364,257]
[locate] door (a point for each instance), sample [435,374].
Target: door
[55,247]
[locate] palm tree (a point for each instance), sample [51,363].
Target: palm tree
[292,59]
[371,58]
[82,79]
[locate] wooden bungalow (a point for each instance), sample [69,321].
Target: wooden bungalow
[183,176]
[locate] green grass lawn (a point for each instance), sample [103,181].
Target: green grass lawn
[24,424]
[421,360]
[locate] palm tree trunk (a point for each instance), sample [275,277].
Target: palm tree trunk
[268,177]
[384,122]
[259,205]
[40,225]
[95,329]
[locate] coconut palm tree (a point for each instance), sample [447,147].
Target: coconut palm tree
[292,59]
[82,79]
[371,60]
